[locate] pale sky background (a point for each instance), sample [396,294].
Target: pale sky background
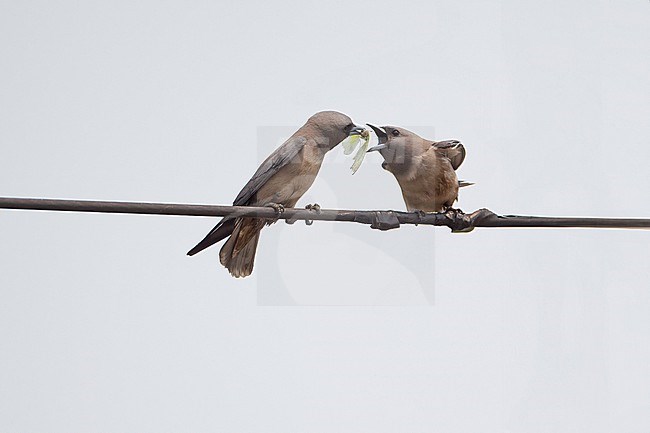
[106,325]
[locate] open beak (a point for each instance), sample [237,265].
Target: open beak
[381,135]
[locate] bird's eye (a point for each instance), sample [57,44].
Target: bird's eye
[395,132]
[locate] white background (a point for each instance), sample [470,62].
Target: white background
[106,326]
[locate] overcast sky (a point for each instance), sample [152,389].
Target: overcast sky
[106,325]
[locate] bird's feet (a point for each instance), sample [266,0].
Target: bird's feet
[278,208]
[460,222]
[453,211]
[314,208]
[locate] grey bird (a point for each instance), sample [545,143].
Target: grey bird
[424,169]
[279,182]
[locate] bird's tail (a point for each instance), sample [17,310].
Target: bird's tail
[462,183]
[238,253]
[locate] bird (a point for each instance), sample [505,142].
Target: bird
[279,182]
[424,169]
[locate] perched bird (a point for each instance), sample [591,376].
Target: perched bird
[279,182]
[424,169]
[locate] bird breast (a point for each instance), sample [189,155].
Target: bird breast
[293,180]
[429,184]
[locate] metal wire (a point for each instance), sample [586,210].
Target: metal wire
[378,219]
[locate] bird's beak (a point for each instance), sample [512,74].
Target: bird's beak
[357,130]
[381,135]
[376,148]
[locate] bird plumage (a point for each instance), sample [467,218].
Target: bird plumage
[281,179]
[425,170]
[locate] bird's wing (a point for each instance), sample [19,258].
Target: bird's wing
[282,156]
[452,150]
[219,232]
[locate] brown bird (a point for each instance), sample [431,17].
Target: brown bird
[424,169]
[279,182]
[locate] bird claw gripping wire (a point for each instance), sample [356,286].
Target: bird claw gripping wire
[457,220]
[278,208]
[460,222]
[314,208]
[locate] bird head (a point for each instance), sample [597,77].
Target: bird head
[395,143]
[334,127]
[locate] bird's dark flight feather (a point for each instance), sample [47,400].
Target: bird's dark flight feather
[219,232]
[278,159]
